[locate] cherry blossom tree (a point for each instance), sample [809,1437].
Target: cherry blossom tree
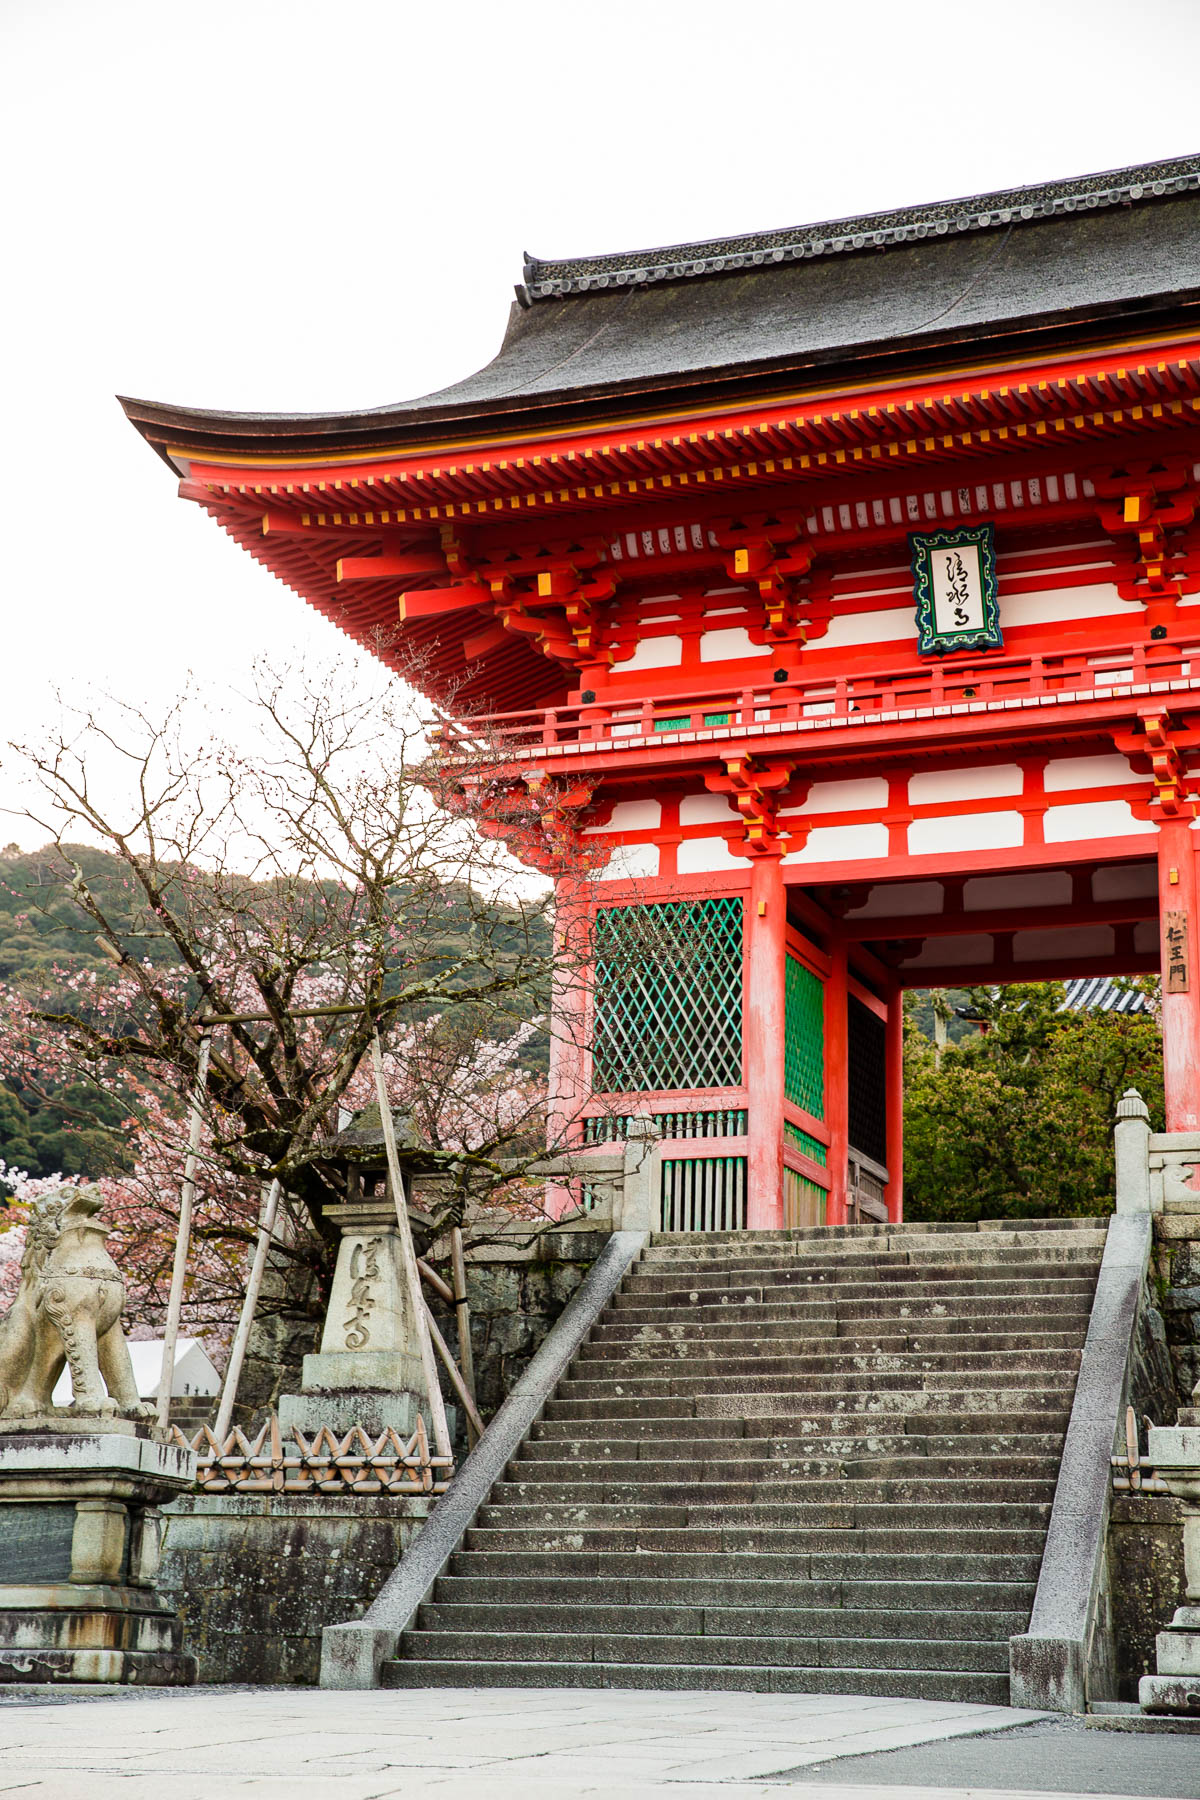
[290,899]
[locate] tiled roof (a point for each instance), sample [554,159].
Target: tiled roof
[549,279]
[1100,993]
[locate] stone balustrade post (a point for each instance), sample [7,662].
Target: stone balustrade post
[1131,1137]
[639,1193]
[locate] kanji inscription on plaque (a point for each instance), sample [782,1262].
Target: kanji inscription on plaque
[1175,937]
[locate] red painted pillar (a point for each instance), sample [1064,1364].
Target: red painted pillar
[894,1078]
[568,1083]
[766,926]
[1180,973]
[837,1093]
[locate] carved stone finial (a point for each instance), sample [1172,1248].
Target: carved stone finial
[1132,1106]
[67,1310]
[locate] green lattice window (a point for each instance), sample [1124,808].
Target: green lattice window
[668,996]
[804,1039]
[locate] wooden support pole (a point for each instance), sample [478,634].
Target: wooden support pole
[183,1235]
[474,1422]
[420,1314]
[894,1087]
[435,1281]
[1180,974]
[462,1309]
[763,1011]
[837,1091]
[237,1354]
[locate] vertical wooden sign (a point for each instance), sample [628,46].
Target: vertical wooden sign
[1175,936]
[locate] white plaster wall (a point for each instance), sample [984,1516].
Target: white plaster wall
[630,862]
[629,815]
[706,809]
[1094,819]
[992,782]
[1145,935]
[655,653]
[1067,772]
[843,796]
[700,856]
[966,831]
[869,628]
[730,642]
[841,843]
[1098,600]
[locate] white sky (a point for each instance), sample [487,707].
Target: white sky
[300,205]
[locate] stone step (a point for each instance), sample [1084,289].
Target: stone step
[820,1374]
[902,1277]
[981,1253]
[750,1504]
[762,1479]
[901,1684]
[845,1237]
[990,1282]
[792,1404]
[714,1341]
[851,1567]
[795,1432]
[1009,1263]
[830,1332]
[960,1654]
[641,1619]
[835,1537]
[824,1359]
[673,1241]
[768,1598]
[729,1452]
[804,1306]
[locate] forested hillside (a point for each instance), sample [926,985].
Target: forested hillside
[42,931]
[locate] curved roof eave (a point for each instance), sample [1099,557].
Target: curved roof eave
[739,333]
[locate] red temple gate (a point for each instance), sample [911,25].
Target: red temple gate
[844,579]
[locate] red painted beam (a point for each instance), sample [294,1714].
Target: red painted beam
[381,568]
[432,603]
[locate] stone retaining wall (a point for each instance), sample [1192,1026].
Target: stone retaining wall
[256,1577]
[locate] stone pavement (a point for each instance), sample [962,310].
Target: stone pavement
[305,1744]
[1055,1756]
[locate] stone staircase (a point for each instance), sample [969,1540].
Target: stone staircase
[817,1461]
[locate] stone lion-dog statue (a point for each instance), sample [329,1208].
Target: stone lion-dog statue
[67,1310]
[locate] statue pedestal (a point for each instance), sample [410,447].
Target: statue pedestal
[81,1527]
[1175,1453]
[368,1370]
